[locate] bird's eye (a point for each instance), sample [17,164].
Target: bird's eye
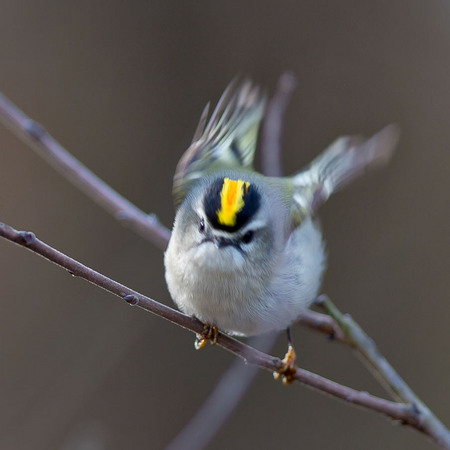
[248,236]
[201,226]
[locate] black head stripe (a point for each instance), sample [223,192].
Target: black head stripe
[212,204]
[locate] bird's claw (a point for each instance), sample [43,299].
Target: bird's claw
[209,333]
[288,369]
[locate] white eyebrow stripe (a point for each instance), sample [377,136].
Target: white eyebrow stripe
[256,224]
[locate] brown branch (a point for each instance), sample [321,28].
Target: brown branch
[355,336]
[145,225]
[34,134]
[221,402]
[341,327]
[271,132]
[406,414]
[321,323]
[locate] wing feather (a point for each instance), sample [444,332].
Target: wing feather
[346,159]
[227,140]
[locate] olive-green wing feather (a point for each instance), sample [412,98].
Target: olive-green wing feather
[346,159]
[227,140]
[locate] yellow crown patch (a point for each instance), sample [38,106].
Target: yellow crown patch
[231,200]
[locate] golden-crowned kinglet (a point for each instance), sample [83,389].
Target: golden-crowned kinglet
[246,253]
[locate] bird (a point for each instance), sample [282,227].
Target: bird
[246,254]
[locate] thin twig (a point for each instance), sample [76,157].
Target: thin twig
[343,328]
[46,146]
[271,132]
[322,323]
[406,414]
[148,226]
[219,405]
[366,348]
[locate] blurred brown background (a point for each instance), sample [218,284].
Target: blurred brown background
[122,85]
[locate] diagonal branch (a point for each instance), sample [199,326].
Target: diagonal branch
[321,323]
[338,326]
[272,128]
[221,402]
[147,226]
[406,414]
[355,336]
[34,134]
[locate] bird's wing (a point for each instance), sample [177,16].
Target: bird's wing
[346,159]
[227,140]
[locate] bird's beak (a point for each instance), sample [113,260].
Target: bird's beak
[221,242]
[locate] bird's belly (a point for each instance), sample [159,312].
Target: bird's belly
[229,302]
[238,303]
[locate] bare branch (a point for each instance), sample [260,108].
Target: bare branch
[40,140]
[220,404]
[412,412]
[322,323]
[406,414]
[148,226]
[366,348]
[271,132]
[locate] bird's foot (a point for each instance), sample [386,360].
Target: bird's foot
[288,369]
[209,333]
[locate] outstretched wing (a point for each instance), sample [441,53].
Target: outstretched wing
[228,140]
[346,159]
